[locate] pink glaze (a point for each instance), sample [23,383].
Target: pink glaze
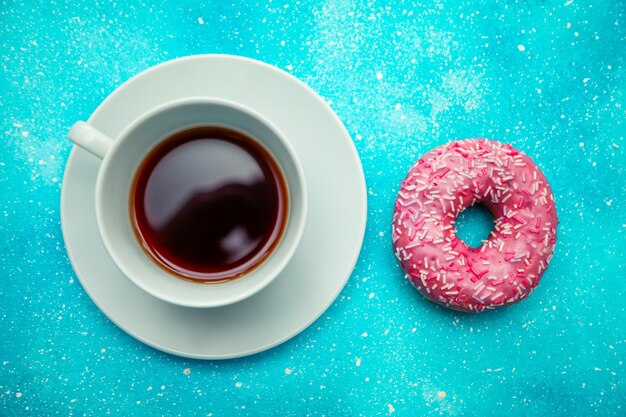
[444,182]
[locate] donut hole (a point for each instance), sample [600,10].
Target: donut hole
[474,224]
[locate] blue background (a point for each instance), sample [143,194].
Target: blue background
[548,77]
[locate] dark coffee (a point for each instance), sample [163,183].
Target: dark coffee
[209,204]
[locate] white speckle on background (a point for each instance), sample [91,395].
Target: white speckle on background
[18,395]
[358,361]
[372,295]
[586,80]
[379,75]
[391,408]
[201,21]
[238,384]
[364,334]
[288,371]
[521,48]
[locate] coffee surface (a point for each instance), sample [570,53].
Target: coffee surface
[209,204]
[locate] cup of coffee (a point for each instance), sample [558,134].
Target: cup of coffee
[200,202]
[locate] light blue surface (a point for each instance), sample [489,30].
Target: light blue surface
[548,77]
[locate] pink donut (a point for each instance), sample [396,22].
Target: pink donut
[444,182]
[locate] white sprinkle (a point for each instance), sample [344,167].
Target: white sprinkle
[238,384]
[364,334]
[379,75]
[485,295]
[586,80]
[391,409]
[201,21]
[18,395]
[288,371]
[358,361]
[372,295]
[521,48]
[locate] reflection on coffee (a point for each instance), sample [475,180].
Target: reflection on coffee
[209,204]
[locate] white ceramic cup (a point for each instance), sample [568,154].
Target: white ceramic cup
[121,158]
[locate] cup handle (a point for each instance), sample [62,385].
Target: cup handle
[90,139]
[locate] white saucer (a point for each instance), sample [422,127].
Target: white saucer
[321,265]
